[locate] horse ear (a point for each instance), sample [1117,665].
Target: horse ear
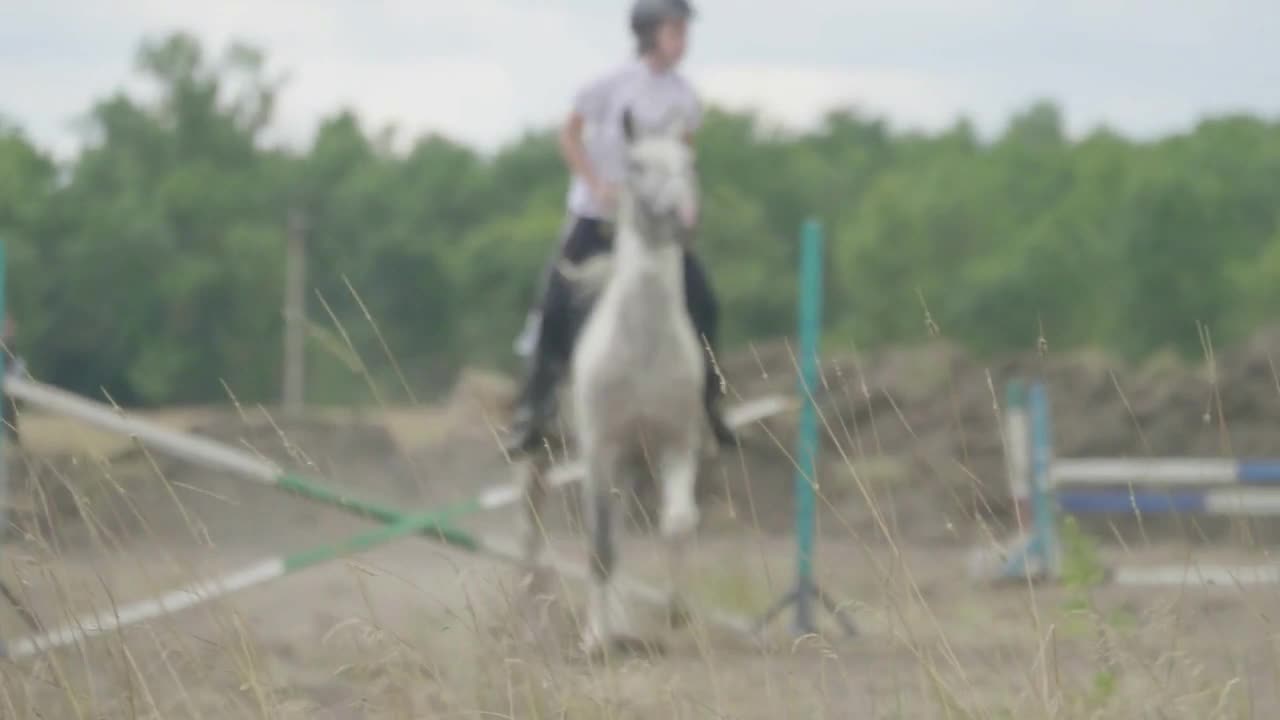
[628,125]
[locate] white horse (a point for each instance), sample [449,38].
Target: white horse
[637,376]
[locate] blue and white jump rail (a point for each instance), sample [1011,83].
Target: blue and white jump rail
[1043,487]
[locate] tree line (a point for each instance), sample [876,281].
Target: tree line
[152,264]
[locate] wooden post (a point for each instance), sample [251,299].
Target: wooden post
[4,398]
[295,314]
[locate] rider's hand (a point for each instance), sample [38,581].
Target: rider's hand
[605,193]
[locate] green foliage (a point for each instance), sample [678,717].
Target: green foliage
[152,264]
[1082,568]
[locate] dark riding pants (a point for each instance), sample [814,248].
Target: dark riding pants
[561,321]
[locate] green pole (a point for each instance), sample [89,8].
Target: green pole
[810,326]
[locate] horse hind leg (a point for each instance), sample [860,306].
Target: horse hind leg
[534,600]
[608,624]
[678,521]
[536,584]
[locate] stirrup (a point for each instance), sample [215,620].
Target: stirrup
[523,443]
[527,341]
[720,430]
[528,427]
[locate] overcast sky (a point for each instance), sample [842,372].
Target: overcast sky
[483,70]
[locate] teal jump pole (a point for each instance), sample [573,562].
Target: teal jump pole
[1042,500]
[1030,455]
[809,331]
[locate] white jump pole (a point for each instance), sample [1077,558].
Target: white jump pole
[1110,486]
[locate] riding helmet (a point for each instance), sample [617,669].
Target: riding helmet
[648,15]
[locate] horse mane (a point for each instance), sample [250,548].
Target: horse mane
[588,278]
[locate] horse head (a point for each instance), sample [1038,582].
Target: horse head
[660,183]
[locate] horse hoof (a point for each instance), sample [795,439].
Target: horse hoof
[680,521]
[540,633]
[619,646]
[678,614]
[537,584]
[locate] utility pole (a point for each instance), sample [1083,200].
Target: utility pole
[295,313]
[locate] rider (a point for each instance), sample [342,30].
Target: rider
[650,86]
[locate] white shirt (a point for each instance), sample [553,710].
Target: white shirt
[655,99]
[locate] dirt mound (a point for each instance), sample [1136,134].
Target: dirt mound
[483,391]
[935,409]
[138,492]
[914,430]
[917,428]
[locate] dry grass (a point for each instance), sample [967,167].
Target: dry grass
[415,631]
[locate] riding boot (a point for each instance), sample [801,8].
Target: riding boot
[552,347]
[705,314]
[536,407]
[715,414]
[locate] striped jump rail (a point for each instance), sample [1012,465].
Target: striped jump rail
[1106,485]
[1043,487]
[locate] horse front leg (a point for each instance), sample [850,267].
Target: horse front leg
[608,622]
[536,583]
[678,521]
[535,597]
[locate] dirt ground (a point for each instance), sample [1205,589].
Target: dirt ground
[911,480]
